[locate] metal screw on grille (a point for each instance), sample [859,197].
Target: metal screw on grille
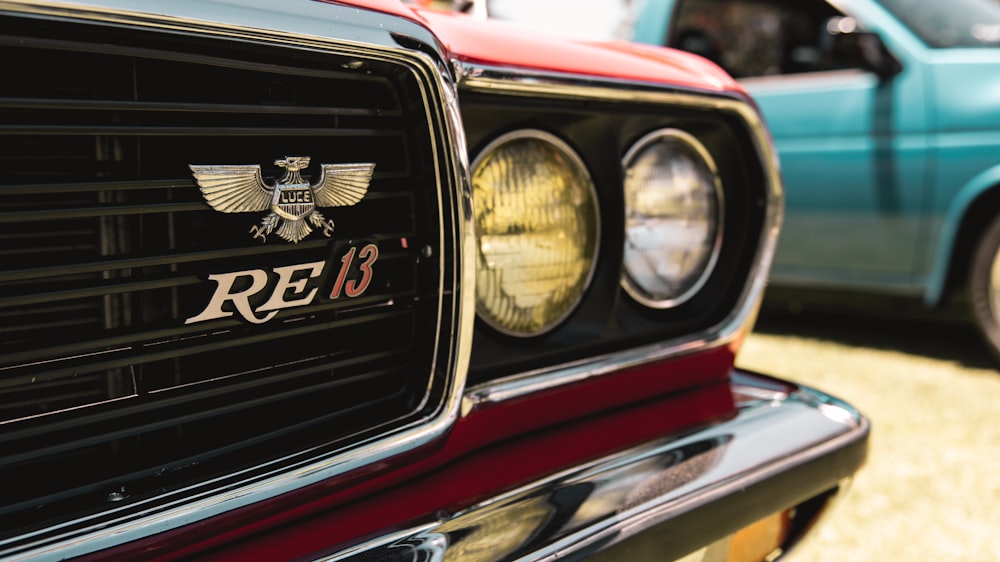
[118,495]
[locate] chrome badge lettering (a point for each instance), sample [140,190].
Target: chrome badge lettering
[257,295]
[292,201]
[258,278]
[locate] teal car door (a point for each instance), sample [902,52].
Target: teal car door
[853,155]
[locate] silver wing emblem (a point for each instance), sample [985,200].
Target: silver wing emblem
[292,201]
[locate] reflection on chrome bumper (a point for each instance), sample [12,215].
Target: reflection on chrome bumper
[781,449]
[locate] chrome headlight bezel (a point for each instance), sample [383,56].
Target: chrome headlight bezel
[581,172]
[690,144]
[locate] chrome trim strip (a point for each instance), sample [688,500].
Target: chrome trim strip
[484,79]
[591,507]
[137,520]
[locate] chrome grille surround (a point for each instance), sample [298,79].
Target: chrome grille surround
[430,416]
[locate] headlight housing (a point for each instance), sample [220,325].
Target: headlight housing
[537,227]
[673,218]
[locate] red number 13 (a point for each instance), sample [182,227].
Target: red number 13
[354,288]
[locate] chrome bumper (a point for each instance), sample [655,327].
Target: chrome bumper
[779,450]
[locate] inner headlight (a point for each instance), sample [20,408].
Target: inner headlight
[537,229]
[673,218]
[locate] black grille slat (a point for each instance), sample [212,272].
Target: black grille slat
[48,105]
[11,496]
[110,252]
[108,187]
[106,288]
[81,427]
[96,212]
[42,325]
[88,430]
[86,130]
[132,355]
[77,68]
[152,261]
[51,502]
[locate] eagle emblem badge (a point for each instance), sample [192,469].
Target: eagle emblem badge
[292,200]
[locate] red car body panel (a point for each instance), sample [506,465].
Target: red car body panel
[497,43]
[489,451]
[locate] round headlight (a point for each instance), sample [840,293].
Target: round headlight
[537,230]
[673,218]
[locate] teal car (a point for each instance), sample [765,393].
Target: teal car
[886,117]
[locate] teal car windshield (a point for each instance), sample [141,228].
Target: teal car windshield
[955,23]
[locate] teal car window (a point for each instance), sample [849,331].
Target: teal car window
[759,37]
[955,23]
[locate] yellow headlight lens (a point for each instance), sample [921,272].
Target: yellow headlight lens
[537,229]
[673,218]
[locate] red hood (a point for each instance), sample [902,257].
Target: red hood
[501,44]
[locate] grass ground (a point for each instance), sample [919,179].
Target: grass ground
[931,488]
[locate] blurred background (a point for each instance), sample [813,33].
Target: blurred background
[931,487]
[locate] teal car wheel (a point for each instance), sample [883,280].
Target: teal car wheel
[984,285]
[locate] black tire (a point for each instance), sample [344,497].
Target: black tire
[984,285]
